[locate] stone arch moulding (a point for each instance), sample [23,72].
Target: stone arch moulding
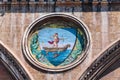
[70,51]
[104,61]
[12,64]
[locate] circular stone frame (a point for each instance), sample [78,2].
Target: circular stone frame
[34,26]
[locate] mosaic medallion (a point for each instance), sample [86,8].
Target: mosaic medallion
[56,42]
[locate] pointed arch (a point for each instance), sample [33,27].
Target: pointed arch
[104,61]
[12,64]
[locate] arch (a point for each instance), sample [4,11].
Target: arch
[12,64]
[104,61]
[111,70]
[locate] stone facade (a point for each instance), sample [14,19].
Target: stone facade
[103,21]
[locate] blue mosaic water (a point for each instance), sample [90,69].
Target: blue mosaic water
[56,58]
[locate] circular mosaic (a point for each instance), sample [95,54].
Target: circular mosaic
[56,42]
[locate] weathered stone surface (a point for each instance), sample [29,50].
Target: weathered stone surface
[104,27]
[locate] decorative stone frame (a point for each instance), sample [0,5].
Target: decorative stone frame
[34,26]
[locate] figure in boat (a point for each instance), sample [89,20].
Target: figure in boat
[56,40]
[55,44]
[55,47]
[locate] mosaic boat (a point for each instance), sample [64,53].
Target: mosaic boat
[54,49]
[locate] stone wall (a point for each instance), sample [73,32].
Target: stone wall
[103,22]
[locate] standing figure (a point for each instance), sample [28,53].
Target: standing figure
[56,40]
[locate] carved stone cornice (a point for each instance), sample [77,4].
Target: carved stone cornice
[12,64]
[107,58]
[77,2]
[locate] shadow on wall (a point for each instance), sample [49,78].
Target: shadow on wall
[111,69]
[83,7]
